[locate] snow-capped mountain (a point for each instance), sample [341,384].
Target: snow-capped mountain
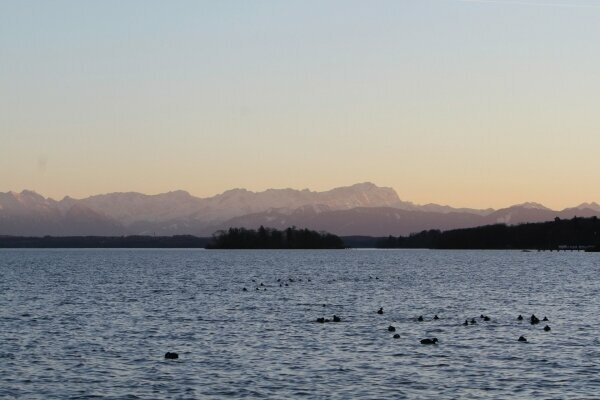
[362,208]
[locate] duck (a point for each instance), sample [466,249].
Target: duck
[420,319]
[520,317]
[534,320]
[436,317]
[380,311]
[396,336]
[545,319]
[171,356]
[482,316]
[486,318]
[321,320]
[466,322]
[522,339]
[392,328]
[473,321]
[547,328]
[429,341]
[336,318]
[244,290]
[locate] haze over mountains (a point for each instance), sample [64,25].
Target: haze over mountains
[361,209]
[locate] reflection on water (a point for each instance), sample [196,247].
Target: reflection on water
[83,323]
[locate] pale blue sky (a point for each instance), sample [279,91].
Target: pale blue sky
[470,103]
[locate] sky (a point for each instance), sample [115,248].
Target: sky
[467,103]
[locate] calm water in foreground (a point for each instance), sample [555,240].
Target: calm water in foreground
[97,323]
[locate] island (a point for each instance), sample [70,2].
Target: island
[269,238]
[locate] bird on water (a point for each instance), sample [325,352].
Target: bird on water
[429,341]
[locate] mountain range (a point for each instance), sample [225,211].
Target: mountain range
[360,209]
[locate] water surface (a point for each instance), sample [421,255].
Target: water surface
[96,323]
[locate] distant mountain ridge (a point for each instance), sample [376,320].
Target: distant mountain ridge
[360,209]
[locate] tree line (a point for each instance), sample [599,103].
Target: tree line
[269,238]
[544,235]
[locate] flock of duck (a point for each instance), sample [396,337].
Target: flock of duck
[533,320]
[426,341]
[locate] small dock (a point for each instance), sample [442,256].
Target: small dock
[568,247]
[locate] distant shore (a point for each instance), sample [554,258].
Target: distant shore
[558,235]
[49,242]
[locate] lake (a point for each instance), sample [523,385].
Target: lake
[97,323]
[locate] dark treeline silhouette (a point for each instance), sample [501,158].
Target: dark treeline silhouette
[568,233]
[268,238]
[179,241]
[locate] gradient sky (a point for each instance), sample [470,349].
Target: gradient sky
[468,103]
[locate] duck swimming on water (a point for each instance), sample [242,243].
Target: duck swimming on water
[391,328]
[429,341]
[420,319]
[520,317]
[522,339]
[380,311]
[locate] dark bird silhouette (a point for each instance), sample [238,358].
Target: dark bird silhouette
[482,316]
[244,290]
[534,320]
[420,319]
[473,321]
[547,328]
[336,318]
[429,341]
[392,328]
[466,322]
[545,319]
[520,317]
[171,356]
[436,317]
[396,336]
[486,318]
[321,320]
[522,339]
[380,311]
